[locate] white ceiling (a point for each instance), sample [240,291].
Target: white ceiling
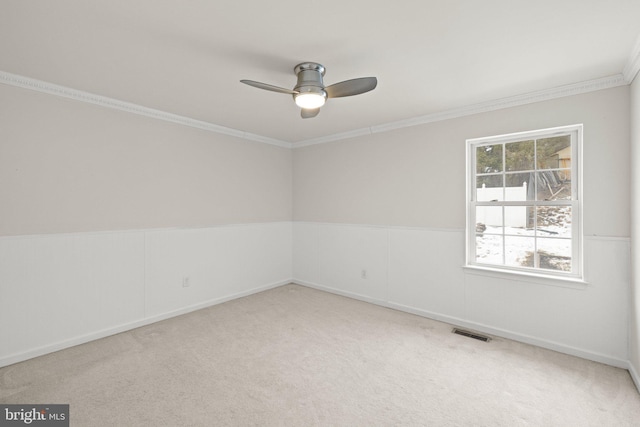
[187,57]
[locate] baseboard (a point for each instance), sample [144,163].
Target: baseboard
[527,339]
[50,348]
[454,321]
[634,375]
[339,292]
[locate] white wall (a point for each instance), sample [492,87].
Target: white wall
[634,318]
[394,204]
[104,213]
[59,290]
[419,270]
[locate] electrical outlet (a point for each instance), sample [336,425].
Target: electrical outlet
[363,274]
[186,282]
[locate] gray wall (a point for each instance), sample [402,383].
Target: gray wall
[416,176]
[67,166]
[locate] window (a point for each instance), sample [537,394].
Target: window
[524,203]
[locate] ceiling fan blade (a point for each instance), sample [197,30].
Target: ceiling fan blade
[351,87]
[308,113]
[268,87]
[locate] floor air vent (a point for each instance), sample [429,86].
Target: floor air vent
[471,335]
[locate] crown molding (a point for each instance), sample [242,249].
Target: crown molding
[632,67]
[513,101]
[334,137]
[103,101]
[498,104]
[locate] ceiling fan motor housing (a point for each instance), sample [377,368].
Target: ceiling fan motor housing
[310,79]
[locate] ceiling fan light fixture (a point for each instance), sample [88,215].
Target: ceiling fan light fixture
[310,100]
[310,93]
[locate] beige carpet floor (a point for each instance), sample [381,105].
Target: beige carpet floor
[294,356]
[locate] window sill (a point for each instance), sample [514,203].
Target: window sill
[523,276]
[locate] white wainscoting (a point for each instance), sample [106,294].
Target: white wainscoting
[57,291]
[420,271]
[61,290]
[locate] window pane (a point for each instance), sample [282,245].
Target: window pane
[518,220]
[519,251]
[489,188]
[554,153]
[519,187]
[553,185]
[519,156]
[489,219]
[554,221]
[524,196]
[489,158]
[488,249]
[554,254]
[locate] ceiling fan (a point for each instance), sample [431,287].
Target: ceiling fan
[310,93]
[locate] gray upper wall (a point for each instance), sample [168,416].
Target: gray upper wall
[416,176]
[67,166]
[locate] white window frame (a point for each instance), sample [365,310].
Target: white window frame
[576,134]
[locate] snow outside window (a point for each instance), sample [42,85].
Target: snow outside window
[523,202]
